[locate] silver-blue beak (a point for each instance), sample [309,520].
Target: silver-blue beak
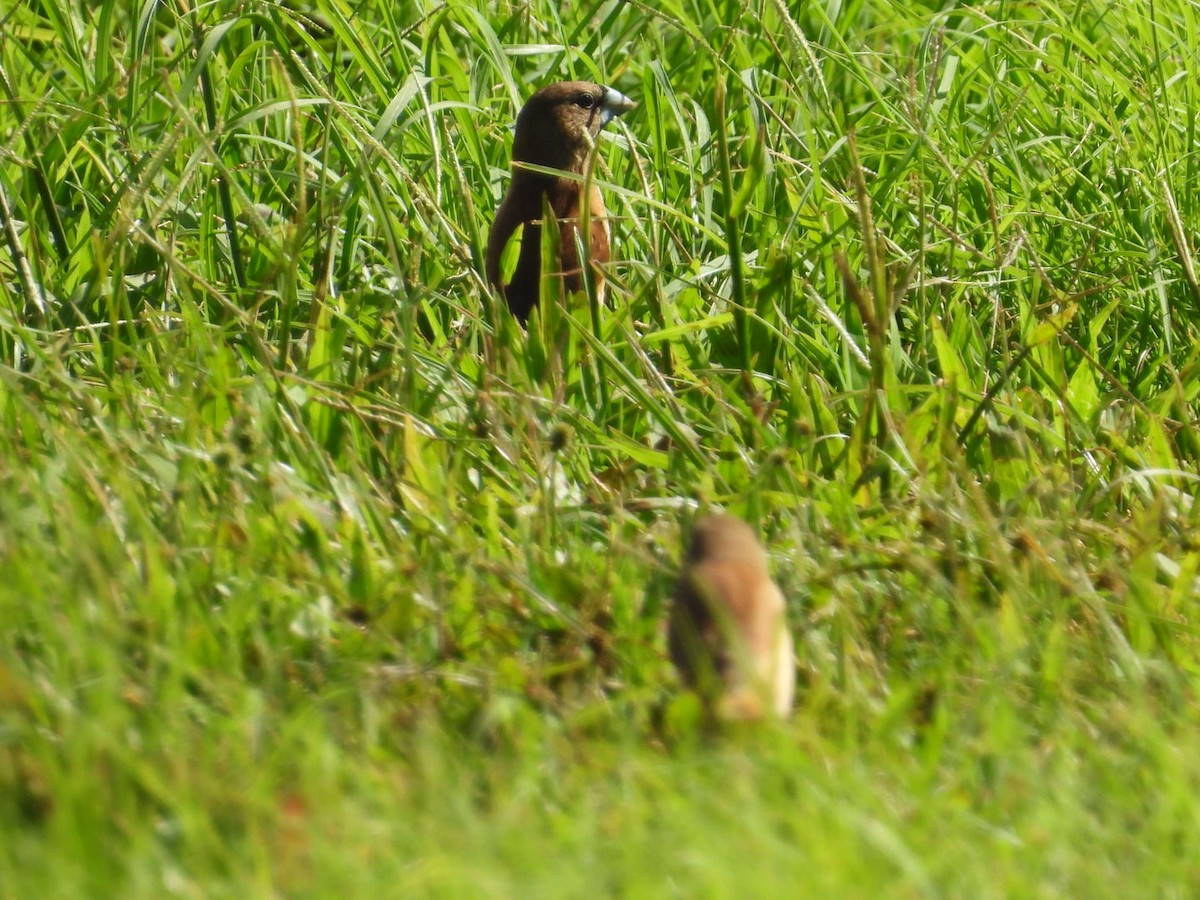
[613,104]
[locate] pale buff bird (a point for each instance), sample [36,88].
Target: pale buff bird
[727,629]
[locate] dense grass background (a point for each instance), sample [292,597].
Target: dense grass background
[318,576]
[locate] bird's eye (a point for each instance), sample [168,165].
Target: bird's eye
[587,101]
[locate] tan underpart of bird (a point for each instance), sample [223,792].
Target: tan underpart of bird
[727,629]
[556,129]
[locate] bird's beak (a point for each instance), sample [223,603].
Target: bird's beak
[614,104]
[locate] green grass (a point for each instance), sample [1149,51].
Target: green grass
[318,577]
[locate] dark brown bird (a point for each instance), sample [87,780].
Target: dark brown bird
[727,629]
[556,128]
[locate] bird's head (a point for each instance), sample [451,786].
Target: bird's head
[725,538]
[557,125]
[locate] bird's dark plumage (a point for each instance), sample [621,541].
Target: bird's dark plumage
[727,629]
[555,129]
